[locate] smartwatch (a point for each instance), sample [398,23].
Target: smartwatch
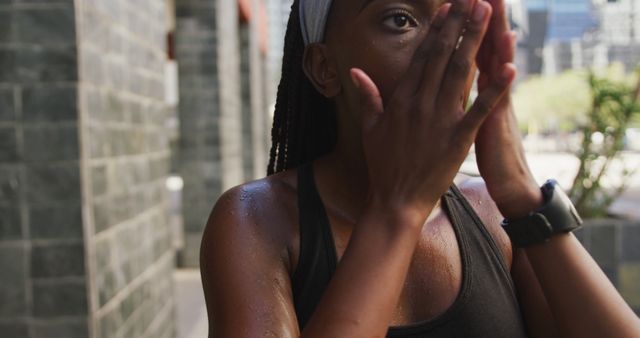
[557,215]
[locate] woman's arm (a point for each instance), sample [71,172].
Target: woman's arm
[535,308]
[565,294]
[579,296]
[582,299]
[245,266]
[558,277]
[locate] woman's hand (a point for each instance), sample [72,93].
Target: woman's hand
[415,143]
[560,270]
[499,152]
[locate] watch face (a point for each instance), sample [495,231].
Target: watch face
[549,188]
[572,209]
[558,210]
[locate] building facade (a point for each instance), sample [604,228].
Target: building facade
[90,101]
[620,31]
[580,34]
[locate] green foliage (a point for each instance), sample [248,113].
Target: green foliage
[552,103]
[614,108]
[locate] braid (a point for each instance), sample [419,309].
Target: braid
[304,122]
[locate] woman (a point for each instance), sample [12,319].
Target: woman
[363,228]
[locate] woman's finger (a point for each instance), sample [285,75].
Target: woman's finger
[413,76]
[494,44]
[442,47]
[509,40]
[486,100]
[371,105]
[499,20]
[456,78]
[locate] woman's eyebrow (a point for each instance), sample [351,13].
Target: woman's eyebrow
[365,4]
[369,2]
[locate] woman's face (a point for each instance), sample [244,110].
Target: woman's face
[377,36]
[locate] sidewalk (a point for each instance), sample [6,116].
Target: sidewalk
[190,307]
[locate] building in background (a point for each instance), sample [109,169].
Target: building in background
[278,11]
[559,35]
[620,31]
[530,19]
[221,49]
[92,95]
[551,31]
[571,35]
[84,243]
[519,21]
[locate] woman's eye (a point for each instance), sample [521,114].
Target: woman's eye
[400,21]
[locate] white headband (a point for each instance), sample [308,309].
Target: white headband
[313,19]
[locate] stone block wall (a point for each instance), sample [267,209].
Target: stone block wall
[43,284]
[254,108]
[210,150]
[84,245]
[122,56]
[245,76]
[259,87]
[615,245]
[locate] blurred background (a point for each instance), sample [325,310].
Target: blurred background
[121,122]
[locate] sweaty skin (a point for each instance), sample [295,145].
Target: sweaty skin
[397,79]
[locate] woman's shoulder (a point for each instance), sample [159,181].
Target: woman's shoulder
[474,189]
[257,214]
[253,199]
[475,192]
[245,256]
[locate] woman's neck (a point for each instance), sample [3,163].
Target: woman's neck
[343,178]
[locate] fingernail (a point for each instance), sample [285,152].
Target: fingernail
[441,15]
[505,74]
[354,79]
[479,12]
[443,10]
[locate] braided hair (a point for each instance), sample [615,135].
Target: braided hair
[304,122]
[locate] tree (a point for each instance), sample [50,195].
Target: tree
[614,106]
[556,103]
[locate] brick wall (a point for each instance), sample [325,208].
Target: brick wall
[210,158]
[245,77]
[84,245]
[260,86]
[122,48]
[43,284]
[254,109]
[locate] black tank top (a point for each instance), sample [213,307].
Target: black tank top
[486,305]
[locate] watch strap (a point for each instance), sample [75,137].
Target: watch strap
[557,215]
[533,229]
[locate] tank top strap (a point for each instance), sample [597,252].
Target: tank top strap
[484,246]
[317,261]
